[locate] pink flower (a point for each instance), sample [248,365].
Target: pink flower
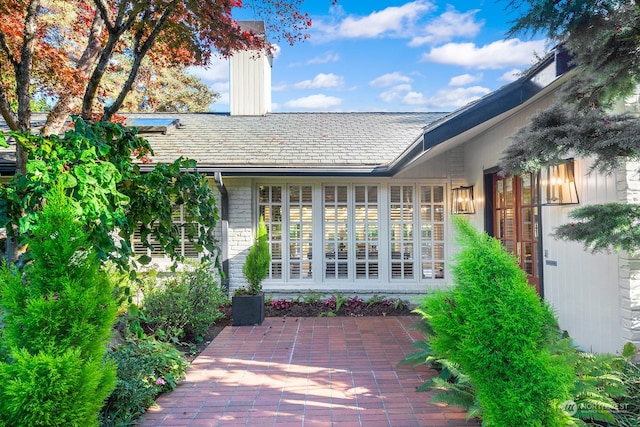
[160,381]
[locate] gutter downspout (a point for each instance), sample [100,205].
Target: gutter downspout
[224,223]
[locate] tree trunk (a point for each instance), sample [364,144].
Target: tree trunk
[70,100]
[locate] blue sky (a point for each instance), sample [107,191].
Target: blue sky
[422,55]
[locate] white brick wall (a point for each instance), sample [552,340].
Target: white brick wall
[628,187]
[240,227]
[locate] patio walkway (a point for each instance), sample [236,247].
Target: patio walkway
[339,371]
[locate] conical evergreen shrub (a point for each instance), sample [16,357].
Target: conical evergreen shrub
[59,310]
[494,326]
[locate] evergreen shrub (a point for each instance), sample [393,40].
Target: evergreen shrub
[183,307]
[258,261]
[493,325]
[59,311]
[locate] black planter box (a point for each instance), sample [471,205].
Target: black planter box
[247,310]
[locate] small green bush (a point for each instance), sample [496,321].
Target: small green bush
[185,306]
[145,368]
[494,326]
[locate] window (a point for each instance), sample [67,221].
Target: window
[367,228]
[300,231]
[351,229]
[356,236]
[432,231]
[401,231]
[182,219]
[336,232]
[270,209]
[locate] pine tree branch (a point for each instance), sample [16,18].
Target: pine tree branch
[602,227]
[564,130]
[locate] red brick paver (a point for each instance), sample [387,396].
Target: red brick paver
[340,371]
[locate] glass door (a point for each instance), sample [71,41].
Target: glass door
[515,221]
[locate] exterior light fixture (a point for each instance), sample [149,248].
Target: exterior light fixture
[558,184]
[462,200]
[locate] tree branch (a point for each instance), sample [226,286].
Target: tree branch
[116,30]
[5,48]
[139,53]
[69,99]
[10,118]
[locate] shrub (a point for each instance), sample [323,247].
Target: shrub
[59,311]
[494,326]
[454,386]
[258,261]
[185,306]
[145,368]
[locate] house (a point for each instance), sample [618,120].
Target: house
[361,203]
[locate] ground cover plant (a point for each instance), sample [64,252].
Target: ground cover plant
[145,367]
[315,304]
[58,314]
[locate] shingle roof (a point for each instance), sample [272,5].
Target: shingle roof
[281,141]
[288,140]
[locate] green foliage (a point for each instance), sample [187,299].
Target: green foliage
[312,298]
[454,387]
[603,38]
[606,387]
[612,225]
[258,261]
[565,130]
[99,166]
[494,326]
[628,414]
[59,310]
[145,368]
[53,389]
[183,307]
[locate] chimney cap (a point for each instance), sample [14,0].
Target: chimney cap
[256,27]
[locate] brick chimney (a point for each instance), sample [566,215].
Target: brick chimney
[250,78]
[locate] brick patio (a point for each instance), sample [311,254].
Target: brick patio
[340,371]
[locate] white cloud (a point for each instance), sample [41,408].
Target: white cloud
[218,70]
[324,59]
[510,75]
[496,55]
[464,79]
[393,19]
[414,98]
[450,98]
[389,79]
[216,76]
[448,26]
[314,102]
[394,93]
[321,81]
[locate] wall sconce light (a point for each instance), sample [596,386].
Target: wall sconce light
[462,200]
[558,184]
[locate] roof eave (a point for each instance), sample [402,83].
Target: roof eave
[484,110]
[252,171]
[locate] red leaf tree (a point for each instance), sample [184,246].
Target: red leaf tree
[64,48]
